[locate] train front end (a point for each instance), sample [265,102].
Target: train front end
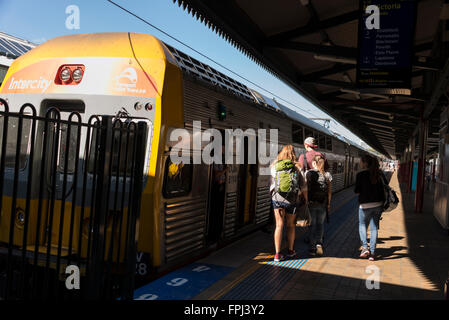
[66,105]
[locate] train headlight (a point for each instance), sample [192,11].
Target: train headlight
[65,74]
[77,74]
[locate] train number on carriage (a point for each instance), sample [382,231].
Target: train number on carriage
[142,260]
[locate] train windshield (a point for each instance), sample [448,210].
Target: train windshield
[123,148]
[71,145]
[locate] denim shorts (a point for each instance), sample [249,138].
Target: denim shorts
[290,208]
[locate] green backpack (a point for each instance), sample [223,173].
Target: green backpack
[286,179]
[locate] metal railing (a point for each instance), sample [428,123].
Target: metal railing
[69,201]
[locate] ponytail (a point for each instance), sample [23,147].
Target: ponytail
[319,163]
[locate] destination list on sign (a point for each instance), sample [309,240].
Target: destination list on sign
[385,51]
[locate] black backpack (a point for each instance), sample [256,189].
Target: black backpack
[391,199]
[318,186]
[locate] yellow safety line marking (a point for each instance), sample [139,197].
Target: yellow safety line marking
[231,285]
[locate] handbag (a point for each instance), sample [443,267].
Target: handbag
[304,219]
[391,199]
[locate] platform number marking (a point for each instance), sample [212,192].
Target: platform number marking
[184,283]
[201,268]
[176,282]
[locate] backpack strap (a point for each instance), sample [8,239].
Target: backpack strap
[305,163]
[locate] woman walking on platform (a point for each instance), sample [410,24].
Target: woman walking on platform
[286,182]
[369,187]
[319,193]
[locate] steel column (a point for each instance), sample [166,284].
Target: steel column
[419,194]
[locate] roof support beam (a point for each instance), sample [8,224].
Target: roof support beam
[331,83]
[326,72]
[380,117]
[383,124]
[379,108]
[376,116]
[440,88]
[316,27]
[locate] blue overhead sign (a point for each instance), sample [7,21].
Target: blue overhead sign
[385,42]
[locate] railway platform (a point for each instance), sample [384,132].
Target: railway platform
[412,262]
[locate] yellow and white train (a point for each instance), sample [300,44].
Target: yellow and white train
[109,73]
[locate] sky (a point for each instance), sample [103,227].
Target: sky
[40,20]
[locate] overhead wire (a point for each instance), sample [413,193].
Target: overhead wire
[210,59]
[205,56]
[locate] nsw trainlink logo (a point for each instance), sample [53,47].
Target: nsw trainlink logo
[127,81]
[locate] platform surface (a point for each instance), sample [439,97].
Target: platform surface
[412,261]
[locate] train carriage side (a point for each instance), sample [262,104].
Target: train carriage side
[337,163]
[188,217]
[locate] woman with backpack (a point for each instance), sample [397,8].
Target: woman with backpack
[286,182]
[319,200]
[369,187]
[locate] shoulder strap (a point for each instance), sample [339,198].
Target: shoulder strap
[306,164]
[383,178]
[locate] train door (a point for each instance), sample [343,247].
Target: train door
[351,180]
[185,194]
[217,198]
[247,185]
[346,183]
[62,140]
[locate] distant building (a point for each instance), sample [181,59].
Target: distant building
[10,49]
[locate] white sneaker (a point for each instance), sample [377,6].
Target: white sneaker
[319,249]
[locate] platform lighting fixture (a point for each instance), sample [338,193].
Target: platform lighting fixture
[374,95]
[335,59]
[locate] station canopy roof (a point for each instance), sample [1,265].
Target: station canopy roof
[13,47]
[312,46]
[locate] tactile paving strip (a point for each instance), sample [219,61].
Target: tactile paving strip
[266,281]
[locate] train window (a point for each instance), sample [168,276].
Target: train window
[308,132]
[177,179]
[334,168]
[297,133]
[340,168]
[329,143]
[63,148]
[322,141]
[64,105]
[123,147]
[11,143]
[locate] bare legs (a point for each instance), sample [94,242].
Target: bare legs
[291,223]
[291,232]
